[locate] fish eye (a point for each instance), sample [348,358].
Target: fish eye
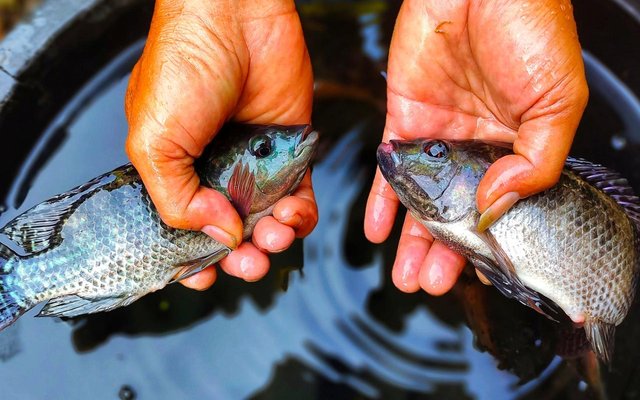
[436,150]
[261,146]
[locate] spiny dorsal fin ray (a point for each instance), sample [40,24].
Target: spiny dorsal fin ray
[39,228]
[611,183]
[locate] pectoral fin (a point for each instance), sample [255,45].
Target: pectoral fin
[601,335]
[74,305]
[502,274]
[192,267]
[241,188]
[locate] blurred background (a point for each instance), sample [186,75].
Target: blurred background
[11,11]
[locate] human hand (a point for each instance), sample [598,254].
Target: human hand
[206,62]
[508,71]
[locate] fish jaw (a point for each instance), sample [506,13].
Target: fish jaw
[388,158]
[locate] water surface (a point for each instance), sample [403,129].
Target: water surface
[340,330]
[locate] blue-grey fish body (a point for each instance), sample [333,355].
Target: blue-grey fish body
[575,244]
[103,244]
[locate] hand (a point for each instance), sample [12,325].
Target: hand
[206,62]
[507,71]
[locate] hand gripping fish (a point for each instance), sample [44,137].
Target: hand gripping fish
[575,244]
[103,245]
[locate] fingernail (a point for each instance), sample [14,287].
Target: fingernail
[221,236]
[497,210]
[293,220]
[483,278]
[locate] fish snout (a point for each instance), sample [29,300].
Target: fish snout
[306,131]
[388,158]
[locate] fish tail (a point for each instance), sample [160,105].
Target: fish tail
[601,335]
[12,306]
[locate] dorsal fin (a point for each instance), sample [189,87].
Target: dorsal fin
[39,228]
[611,183]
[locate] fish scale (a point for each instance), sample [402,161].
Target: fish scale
[125,251]
[591,251]
[103,245]
[575,244]
[148,243]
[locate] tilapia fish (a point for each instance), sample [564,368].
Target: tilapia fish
[575,244]
[102,245]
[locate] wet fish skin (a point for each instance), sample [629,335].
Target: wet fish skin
[572,244]
[103,244]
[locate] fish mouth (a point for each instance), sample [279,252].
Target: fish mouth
[308,140]
[388,158]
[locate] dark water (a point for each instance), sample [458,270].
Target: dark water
[340,330]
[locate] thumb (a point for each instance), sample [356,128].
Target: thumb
[541,148]
[179,96]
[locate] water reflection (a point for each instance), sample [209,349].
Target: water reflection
[340,330]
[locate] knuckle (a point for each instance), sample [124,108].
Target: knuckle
[134,148]
[173,219]
[549,176]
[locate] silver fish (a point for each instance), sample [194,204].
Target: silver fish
[575,244]
[103,245]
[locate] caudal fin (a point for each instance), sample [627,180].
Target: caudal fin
[601,335]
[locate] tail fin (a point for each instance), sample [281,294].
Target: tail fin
[10,307]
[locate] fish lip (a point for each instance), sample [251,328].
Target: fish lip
[308,129]
[308,139]
[395,144]
[387,158]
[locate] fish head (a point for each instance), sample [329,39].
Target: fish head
[435,179]
[256,165]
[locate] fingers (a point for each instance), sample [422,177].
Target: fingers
[168,130]
[382,206]
[271,236]
[413,247]
[496,210]
[440,269]
[202,280]
[541,148]
[424,263]
[247,262]
[483,278]
[547,108]
[298,211]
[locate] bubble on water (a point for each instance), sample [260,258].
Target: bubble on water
[618,142]
[582,386]
[126,393]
